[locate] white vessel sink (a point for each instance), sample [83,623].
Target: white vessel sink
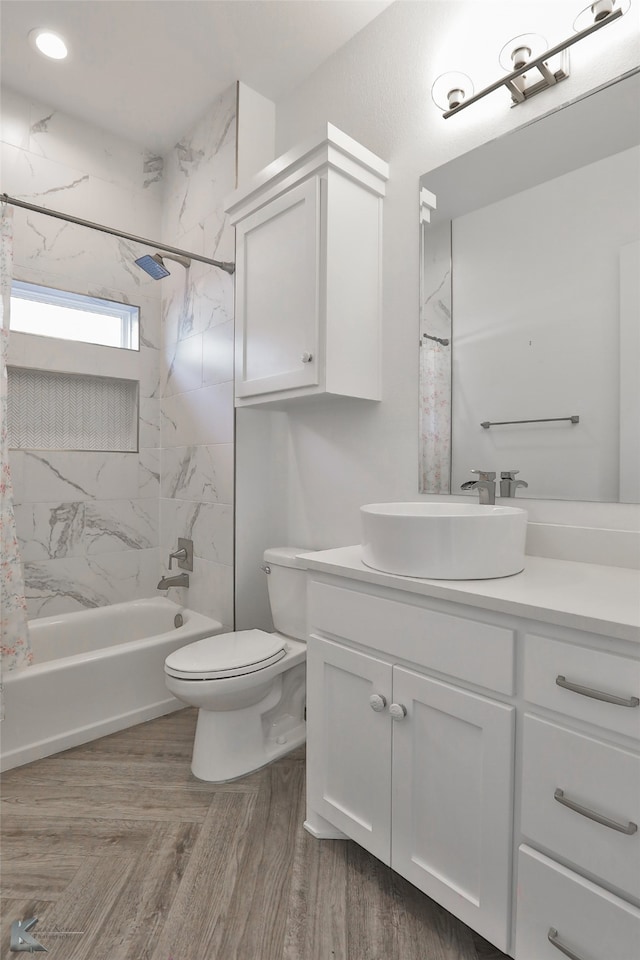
[444,541]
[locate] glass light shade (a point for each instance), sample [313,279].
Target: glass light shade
[530,45]
[451,89]
[49,43]
[598,11]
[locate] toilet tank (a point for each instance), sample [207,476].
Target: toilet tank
[287,582]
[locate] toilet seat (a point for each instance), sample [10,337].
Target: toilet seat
[226,655]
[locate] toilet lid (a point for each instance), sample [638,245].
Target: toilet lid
[226,655]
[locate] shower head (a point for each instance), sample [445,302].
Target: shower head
[153,264]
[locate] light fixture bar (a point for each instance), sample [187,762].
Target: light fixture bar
[537,63]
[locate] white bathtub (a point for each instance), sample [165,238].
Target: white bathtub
[94,672]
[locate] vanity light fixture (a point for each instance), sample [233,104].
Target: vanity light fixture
[519,52]
[530,68]
[598,11]
[48,43]
[451,90]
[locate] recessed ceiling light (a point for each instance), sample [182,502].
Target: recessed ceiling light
[49,43]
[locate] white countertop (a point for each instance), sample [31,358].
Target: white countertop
[585,596]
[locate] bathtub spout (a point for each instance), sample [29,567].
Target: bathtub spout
[180,580]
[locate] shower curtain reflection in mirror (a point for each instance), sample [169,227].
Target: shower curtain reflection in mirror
[435,360]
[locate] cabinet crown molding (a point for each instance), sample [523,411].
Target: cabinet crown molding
[336,151]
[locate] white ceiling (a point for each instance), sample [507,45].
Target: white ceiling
[148,69]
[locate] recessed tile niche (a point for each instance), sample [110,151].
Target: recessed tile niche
[64,411]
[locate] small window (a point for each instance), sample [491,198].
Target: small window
[72,316]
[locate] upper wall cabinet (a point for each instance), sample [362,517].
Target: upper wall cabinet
[308,274]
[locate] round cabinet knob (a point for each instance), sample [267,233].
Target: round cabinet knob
[307,357]
[398,711]
[377,702]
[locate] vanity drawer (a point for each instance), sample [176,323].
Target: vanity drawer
[479,653]
[561,767]
[589,921]
[594,672]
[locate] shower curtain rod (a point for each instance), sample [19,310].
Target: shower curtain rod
[160,247]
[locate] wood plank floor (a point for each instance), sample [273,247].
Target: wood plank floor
[123,855]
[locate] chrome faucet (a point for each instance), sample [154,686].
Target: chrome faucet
[180,580]
[184,556]
[485,485]
[509,484]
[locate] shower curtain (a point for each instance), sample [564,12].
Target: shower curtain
[15,648]
[435,417]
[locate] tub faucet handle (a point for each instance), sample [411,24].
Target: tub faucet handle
[184,554]
[179,555]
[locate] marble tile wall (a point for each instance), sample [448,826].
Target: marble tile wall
[88,523]
[196,409]
[97,528]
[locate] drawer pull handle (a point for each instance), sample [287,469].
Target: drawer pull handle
[597,694]
[628,828]
[553,938]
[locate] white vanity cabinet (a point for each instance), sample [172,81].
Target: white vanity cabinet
[580,803]
[308,274]
[484,745]
[416,769]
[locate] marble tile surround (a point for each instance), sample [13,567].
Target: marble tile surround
[209,525]
[201,473]
[196,408]
[76,583]
[97,528]
[56,531]
[88,523]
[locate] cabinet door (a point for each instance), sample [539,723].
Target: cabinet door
[349,743]
[278,293]
[452,799]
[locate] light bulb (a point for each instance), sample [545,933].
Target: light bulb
[602,9]
[450,90]
[517,52]
[49,43]
[599,11]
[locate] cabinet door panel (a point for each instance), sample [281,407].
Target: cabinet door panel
[277,293]
[349,744]
[451,799]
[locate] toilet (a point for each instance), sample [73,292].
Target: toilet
[249,685]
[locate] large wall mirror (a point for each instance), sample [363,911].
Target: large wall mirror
[530,306]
